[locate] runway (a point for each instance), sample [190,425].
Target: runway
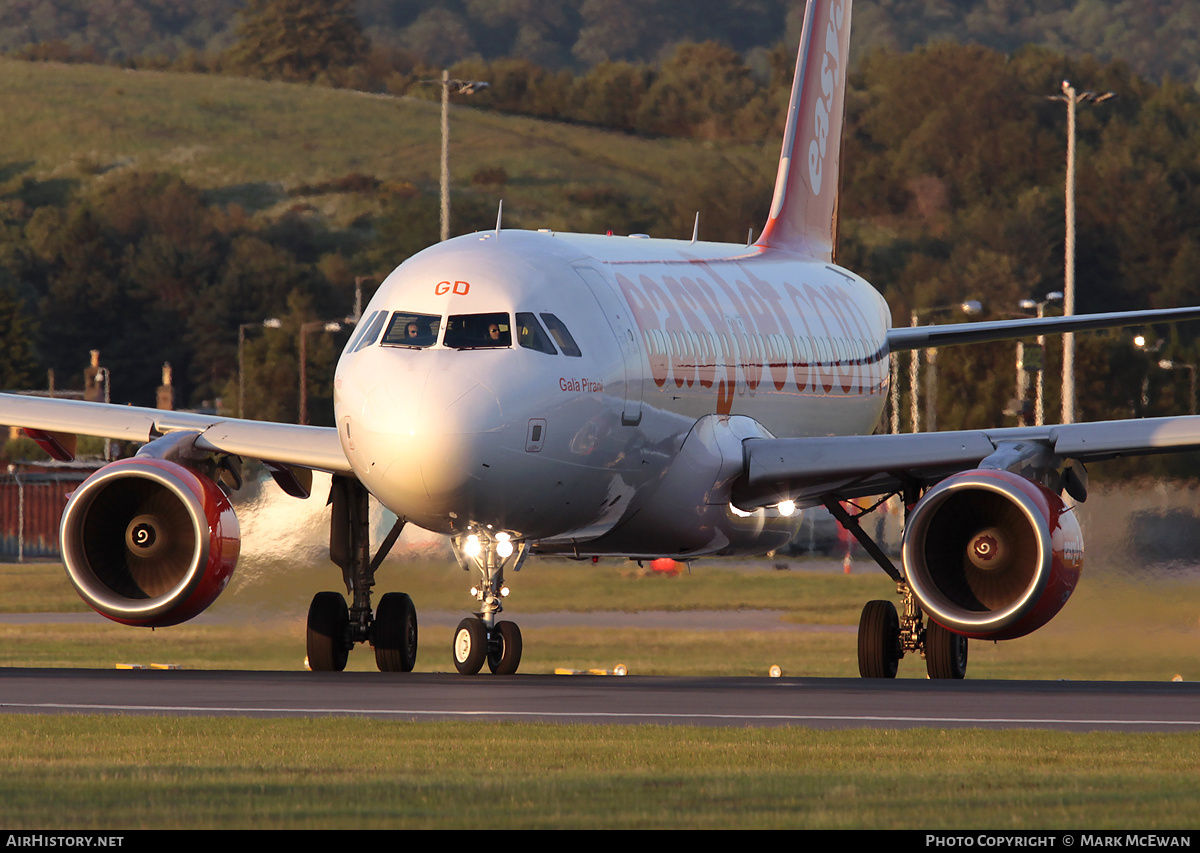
[812,702]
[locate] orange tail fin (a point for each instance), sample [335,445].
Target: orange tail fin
[806,188]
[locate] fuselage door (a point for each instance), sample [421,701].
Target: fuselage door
[621,323]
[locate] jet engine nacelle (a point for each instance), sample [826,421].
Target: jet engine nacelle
[992,555]
[148,542]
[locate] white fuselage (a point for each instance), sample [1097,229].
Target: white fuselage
[561,449]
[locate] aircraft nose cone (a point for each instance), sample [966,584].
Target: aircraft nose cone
[432,435]
[457,402]
[456,416]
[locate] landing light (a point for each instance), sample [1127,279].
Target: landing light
[472,548]
[504,548]
[786,508]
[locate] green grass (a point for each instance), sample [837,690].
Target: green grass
[137,772]
[262,619]
[612,585]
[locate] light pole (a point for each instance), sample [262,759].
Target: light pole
[269,323]
[1151,349]
[1072,98]
[1167,364]
[1029,305]
[304,330]
[971,307]
[460,87]
[103,375]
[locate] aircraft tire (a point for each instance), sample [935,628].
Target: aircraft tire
[878,640]
[328,625]
[504,655]
[394,633]
[470,646]
[945,652]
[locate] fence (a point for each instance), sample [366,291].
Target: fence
[31,506]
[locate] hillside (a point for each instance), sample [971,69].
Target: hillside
[260,144]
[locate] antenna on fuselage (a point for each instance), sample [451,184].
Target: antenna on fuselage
[750,236]
[499,216]
[696,227]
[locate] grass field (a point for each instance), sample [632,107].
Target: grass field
[1112,628]
[132,772]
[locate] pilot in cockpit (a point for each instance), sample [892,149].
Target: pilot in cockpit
[496,337]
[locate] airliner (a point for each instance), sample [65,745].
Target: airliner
[534,393]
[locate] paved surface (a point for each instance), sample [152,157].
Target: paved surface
[820,703]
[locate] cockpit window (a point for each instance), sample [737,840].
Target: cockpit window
[369,332]
[412,330]
[478,331]
[360,330]
[531,335]
[562,337]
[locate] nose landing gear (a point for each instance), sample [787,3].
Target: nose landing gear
[481,639]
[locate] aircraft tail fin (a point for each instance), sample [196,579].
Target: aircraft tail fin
[804,206]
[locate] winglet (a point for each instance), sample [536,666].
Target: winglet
[805,201]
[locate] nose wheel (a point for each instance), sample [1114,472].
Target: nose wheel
[474,644]
[470,646]
[504,649]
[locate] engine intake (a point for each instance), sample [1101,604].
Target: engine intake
[149,542]
[992,555]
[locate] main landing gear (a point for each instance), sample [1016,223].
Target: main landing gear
[481,639]
[885,636]
[334,628]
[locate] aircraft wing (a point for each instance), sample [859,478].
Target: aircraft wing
[808,469]
[311,447]
[918,337]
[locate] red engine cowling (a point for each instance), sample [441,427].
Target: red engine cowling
[992,555]
[149,542]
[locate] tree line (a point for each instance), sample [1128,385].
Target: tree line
[1155,38]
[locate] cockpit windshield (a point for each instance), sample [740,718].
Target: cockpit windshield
[478,331]
[412,330]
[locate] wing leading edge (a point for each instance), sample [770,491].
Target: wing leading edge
[808,469]
[312,447]
[904,338]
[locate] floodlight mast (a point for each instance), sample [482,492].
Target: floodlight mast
[461,87]
[1072,98]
